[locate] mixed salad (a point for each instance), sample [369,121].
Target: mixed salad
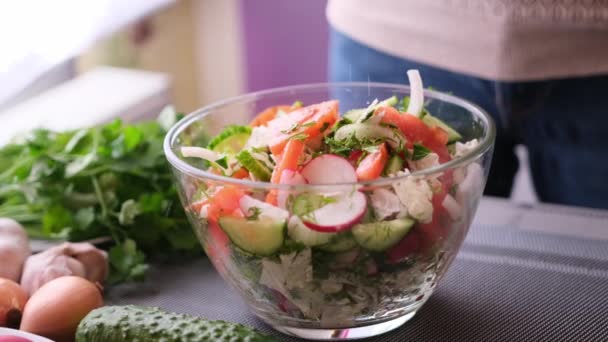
[343,254]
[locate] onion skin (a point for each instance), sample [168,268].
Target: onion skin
[68,259]
[12,302]
[56,309]
[14,249]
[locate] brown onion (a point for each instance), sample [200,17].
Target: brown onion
[12,301]
[56,309]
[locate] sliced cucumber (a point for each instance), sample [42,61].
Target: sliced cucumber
[260,237]
[391,101]
[354,114]
[305,203]
[299,232]
[394,165]
[432,121]
[379,236]
[231,140]
[257,167]
[340,243]
[362,131]
[369,215]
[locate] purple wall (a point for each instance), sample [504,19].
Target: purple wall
[285,42]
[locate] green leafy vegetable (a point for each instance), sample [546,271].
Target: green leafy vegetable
[299,136]
[420,152]
[404,103]
[106,181]
[253,213]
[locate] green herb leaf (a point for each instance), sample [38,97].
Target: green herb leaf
[127,262]
[84,218]
[98,182]
[420,152]
[223,162]
[128,211]
[299,136]
[290,128]
[253,213]
[324,127]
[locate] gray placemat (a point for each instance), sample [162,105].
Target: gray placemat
[505,285]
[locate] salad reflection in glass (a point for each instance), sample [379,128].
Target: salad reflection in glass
[347,254]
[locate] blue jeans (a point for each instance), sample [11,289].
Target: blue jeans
[563,122]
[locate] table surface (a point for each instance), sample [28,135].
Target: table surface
[531,273]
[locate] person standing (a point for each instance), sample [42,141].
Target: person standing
[539,67]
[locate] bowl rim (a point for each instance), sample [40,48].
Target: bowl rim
[484,144]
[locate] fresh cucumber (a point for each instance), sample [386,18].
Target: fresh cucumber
[254,165]
[231,140]
[340,243]
[432,121]
[367,131]
[391,101]
[305,203]
[354,114]
[299,232]
[134,323]
[263,236]
[379,236]
[394,165]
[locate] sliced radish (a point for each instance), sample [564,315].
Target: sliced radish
[288,177]
[329,169]
[340,215]
[249,205]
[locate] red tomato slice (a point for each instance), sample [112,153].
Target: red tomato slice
[224,202]
[416,131]
[267,115]
[372,165]
[294,149]
[354,156]
[312,121]
[409,245]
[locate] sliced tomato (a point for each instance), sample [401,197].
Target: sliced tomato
[198,205]
[224,202]
[311,122]
[416,131]
[268,115]
[372,165]
[240,174]
[218,246]
[440,135]
[354,156]
[409,245]
[294,149]
[433,232]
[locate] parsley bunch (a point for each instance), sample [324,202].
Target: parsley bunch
[106,181]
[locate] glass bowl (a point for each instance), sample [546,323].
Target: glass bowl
[335,289]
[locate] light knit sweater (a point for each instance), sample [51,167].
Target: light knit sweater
[509,40]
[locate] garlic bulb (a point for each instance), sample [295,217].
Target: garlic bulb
[68,259]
